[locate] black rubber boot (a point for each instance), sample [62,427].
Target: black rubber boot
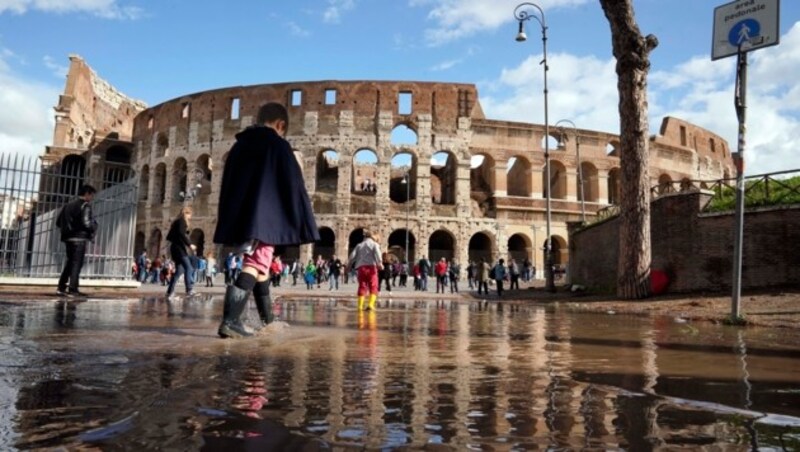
[263,301]
[235,303]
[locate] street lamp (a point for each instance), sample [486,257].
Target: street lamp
[563,138]
[407,183]
[522,15]
[535,243]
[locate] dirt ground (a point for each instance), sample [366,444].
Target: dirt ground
[775,308]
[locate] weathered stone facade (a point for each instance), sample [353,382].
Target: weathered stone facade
[462,186]
[93,131]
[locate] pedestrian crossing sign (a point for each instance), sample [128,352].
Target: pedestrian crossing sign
[746,25]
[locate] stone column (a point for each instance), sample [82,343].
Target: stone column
[602,186]
[500,178]
[572,184]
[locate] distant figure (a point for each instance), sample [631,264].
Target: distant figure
[180,249]
[499,275]
[78,227]
[482,277]
[366,259]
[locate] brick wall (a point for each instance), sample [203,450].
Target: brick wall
[696,248]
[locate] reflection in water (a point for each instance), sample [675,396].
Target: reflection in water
[150,374]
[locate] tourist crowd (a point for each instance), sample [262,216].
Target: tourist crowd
[333,272]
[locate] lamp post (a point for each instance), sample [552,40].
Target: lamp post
[535,243]
[563,135]
[407,183]
[522,15]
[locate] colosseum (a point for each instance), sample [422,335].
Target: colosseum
[419,162]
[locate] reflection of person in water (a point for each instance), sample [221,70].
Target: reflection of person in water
[66,313]
[253,397]
[367,340]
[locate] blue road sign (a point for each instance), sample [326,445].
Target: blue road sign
[745,25]
[743,31]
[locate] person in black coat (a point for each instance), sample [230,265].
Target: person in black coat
[181,247]
[77,226]
[263,203]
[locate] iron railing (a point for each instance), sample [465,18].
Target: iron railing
[761,190]
[31,196]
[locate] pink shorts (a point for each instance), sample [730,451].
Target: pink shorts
[260,258]
[367,280]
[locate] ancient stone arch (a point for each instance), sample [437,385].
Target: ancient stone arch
[589,188]
[519,177]
[519,248]
[558,180]
[442,243]
[160,184]
[327,171]
[495,184]
[443,177]
[481,246]
[144,183]
[326,246]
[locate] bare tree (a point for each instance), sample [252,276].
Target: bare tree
[632,52]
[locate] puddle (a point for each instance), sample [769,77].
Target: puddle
[151,374]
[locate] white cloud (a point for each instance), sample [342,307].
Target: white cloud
[297,30]
[584,90]
[26,119]
[333,13]
[59,70]
[445,65]
[108,9]
[455,19]
[581,89]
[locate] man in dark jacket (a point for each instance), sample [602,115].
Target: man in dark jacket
[262,203]
[77,229]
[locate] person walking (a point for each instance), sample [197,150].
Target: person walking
[424,271]
[180,247]
[141,264]
[211,272]
[455,273]
[335,272]
[482,276]
[440,270]
[366,259]
[514,274]
[78,226]
[404,274]
[386,273]
[263,203]
[471,275]
[297,271]
[310,274]
[499,275]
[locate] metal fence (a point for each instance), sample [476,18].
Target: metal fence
[32,195]
[761,190]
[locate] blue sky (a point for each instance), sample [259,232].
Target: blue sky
[155,51]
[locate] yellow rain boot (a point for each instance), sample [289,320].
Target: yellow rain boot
[372,299]
[361,302]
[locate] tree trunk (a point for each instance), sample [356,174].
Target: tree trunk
[632,53]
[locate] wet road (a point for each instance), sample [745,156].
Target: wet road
[147,374]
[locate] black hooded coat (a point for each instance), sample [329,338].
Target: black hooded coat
[263,194]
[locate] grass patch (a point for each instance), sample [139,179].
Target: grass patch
[761,192]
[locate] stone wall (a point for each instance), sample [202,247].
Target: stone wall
[695,248]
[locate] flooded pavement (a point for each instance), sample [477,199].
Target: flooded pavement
[150,374]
